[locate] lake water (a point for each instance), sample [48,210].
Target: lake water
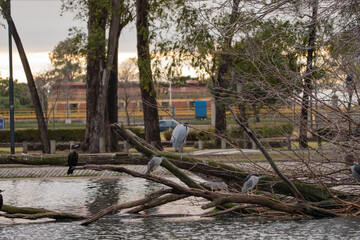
[89,195]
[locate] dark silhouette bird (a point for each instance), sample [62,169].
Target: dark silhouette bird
[72,161]
[355,170]
[250,182]
[179,135]
[1,199]
[153,163]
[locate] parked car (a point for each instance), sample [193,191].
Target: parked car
[167,125]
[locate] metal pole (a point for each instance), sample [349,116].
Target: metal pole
[11,86]
[67,83]
[170,90]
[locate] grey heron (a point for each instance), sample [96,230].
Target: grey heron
[72,161]
[153,163]
[250,182]
[355,170]
[179,135]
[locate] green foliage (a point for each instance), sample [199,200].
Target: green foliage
[268,131]
[67,57]
[204,136]
[33,135]
[275,131]
[326,132]
[22,97]
[167,134]
[140,132]
[194,135]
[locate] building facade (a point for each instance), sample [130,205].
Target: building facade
[69,101]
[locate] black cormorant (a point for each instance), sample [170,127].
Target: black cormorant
[1,199]
[72,161]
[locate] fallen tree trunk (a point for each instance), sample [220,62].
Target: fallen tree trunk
[292,187]
[231,175]
[218,198]
[36,213]
[84,158]
[115,208]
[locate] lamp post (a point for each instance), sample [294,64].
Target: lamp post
[11,86]
[67,82]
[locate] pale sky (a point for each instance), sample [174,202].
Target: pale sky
[41,28]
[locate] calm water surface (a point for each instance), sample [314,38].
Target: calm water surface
[89,195]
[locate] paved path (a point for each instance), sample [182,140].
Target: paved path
[223,151]
[22,171]
[25,171]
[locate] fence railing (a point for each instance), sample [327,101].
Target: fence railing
[136,114]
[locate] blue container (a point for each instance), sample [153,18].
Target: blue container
[2,123]
[200,109]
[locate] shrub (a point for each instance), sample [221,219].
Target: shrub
[205,136]
[59,135]
[264,131]
[194,135]
[274,131]
[326,132]
[167,134]
[33,135]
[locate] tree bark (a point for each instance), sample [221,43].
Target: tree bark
[231,175]
[112,103]
[121,17]
[223,72]
[115,208]
[44,135]
[218,198]
[148,93]
[293,188]
[95,64]
[36,213]
[308,78]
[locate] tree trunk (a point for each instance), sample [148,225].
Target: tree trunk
[220,118]
[44,136]
[308,78]
[148,93]
[112,103]
[119,20]
[224,67]
[95,65]
[102,107]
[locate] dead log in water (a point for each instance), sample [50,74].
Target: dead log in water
[233,176]
[37,213]
[215,198]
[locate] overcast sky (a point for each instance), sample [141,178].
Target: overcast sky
[41,28]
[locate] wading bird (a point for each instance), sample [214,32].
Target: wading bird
[355,169]
[179,135]
[215,186]
[1,199]
[250,182]
[72,161]
[153,163]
